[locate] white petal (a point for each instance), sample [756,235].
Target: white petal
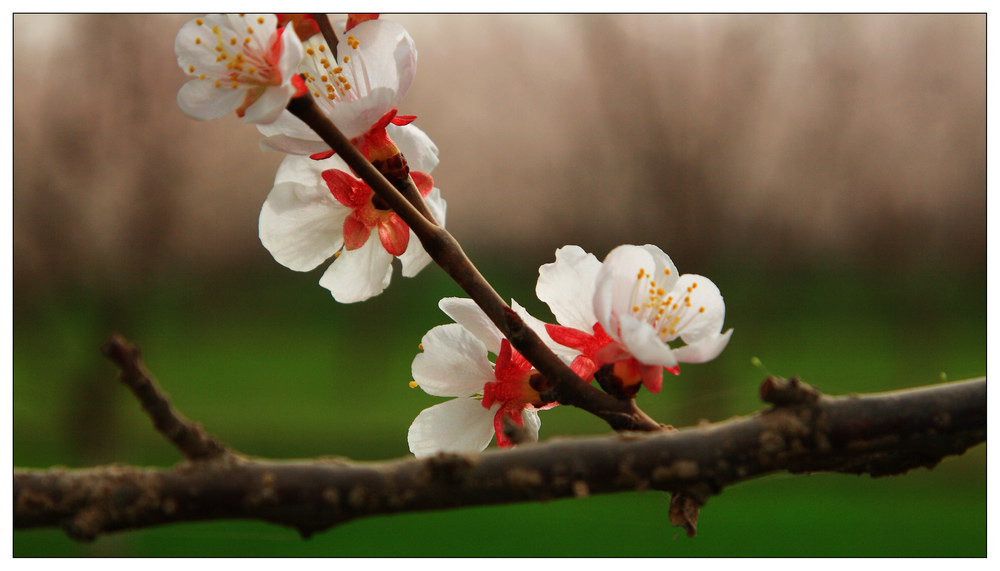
[453,363]
[389,54]
[665,274]
[641,341]
[269,105]
[289,134]
[420,151]
[705,294]
[415,258]
[202,100]
[567,287]
[301,225]
[705,349]
[459,425]
[538,326]
[616,281]
[466,313]
[359,274]
[531,423]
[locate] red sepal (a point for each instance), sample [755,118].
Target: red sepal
[355,19]
[323,155]
[401,120]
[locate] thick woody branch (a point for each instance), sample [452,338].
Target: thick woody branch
[804,431]
[566,387]
[189,437]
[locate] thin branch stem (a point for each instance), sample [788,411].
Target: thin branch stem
[566,387]
[879,434]
[189,437]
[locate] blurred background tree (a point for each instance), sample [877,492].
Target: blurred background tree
[827,172]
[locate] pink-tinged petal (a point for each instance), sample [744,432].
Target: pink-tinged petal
[705,349]
[641,341]
[453,363]
[202,100]
[458,425]
[359,274]
[416,258]
[300,223]
[421,153]
[356,233]
[348,190]
[567,287]
[289,55]
[652,377]
[394,234]
[616,281]
[466,313]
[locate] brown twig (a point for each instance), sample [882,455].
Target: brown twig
[566,387]
[189,437]
[879,434]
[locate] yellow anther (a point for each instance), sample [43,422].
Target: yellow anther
[694,285]
[260,19]
[202,76]
[666,271]
[232,41]
[689,289]
[249,30]
[342,79]
[324,78]
[635,308]
[218,48]
[218,83]
[329,88]
[642,272]
[660,292]
[322,48]
[347,59]
[199,21]
[337,255]
[652,284]
[674,307]
[413,384]
[701,310]
[337,69]
[190,69]
[197,41]
[324,62]
[246,41]
[347,87]
[310,51]
[331,96]
[215,30]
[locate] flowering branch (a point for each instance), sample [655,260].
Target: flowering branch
[564,385]
[803,431]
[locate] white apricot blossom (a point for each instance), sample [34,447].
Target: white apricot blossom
[626,312]
[239,62]
[455,363]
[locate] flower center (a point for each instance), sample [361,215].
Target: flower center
[667,312]
[337,81]
[249,56]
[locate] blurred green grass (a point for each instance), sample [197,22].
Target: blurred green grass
[275,368]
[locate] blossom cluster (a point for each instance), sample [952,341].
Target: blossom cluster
[254,64]
[620,322]
[616,321]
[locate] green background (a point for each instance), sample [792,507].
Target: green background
[275,368]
